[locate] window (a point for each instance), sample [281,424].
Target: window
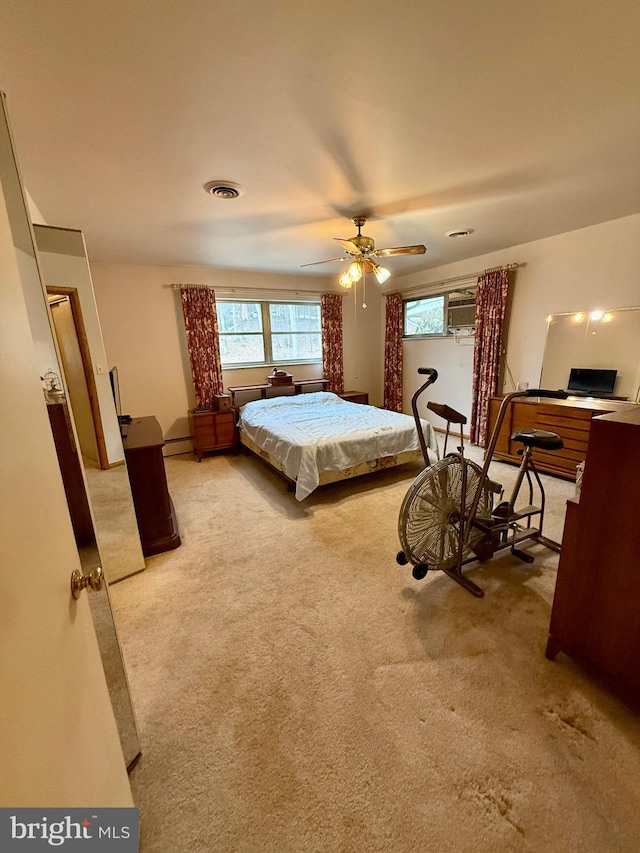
[256,333]
[440,315]
[424,316]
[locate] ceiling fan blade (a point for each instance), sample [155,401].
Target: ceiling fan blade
[400,250]
[329,261]
[348,246]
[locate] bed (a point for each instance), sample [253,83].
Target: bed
[318,438]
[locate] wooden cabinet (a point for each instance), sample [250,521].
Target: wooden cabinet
[570,419]
[355,396]
[154,509]
[596,607]
[213,431]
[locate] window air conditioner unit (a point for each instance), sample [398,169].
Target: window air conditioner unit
[461,314]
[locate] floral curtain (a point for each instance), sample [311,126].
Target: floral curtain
[203,343]
[331,324]
[393,353]
[491,303]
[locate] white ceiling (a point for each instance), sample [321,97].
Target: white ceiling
[519,120]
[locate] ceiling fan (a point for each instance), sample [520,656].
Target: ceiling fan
[362,253]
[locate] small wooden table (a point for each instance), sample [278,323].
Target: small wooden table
[213,431]
[297,386]
[355,397]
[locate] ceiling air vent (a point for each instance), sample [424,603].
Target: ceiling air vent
[224,189]
[459,232]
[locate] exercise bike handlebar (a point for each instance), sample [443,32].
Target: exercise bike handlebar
[543,392]
[432,373]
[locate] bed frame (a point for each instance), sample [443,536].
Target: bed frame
[261,391]
[327,477]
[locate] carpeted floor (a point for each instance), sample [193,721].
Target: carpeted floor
[296,690]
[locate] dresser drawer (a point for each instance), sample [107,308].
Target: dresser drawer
[203,425]
[225,434]
[224,419]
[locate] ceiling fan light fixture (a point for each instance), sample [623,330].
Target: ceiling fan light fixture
[354,271]
[345,280]
[381,273]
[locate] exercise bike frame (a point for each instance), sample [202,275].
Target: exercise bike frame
[500,530]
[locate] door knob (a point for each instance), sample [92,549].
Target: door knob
[94,581]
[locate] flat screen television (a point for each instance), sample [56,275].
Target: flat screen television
[591,381]
[115,389]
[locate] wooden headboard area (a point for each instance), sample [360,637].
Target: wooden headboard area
[241,394]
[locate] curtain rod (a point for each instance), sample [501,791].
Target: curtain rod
[226,289]
[190,286]
[429,285]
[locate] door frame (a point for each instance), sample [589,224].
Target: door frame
[85,353]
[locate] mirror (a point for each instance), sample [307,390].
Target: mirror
[597,340]
[67,277]
[66,436]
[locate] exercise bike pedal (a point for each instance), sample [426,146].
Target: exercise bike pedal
[504,513]
[485,548]
[521,555]
[525,512]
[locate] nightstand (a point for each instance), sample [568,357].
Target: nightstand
[213,431]
[355,397]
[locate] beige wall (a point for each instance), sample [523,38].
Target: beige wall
[141,320]
[595,267]
[143,331]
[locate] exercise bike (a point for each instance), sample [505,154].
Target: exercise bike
[448,519]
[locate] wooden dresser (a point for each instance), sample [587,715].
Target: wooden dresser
[596,607]
[213,431]
[570,419]
[143,442]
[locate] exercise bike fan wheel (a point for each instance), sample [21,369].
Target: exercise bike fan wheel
[429,525]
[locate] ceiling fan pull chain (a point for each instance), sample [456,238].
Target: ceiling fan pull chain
[364,287]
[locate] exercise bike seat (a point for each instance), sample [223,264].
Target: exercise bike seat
[447,413]
[538,438]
